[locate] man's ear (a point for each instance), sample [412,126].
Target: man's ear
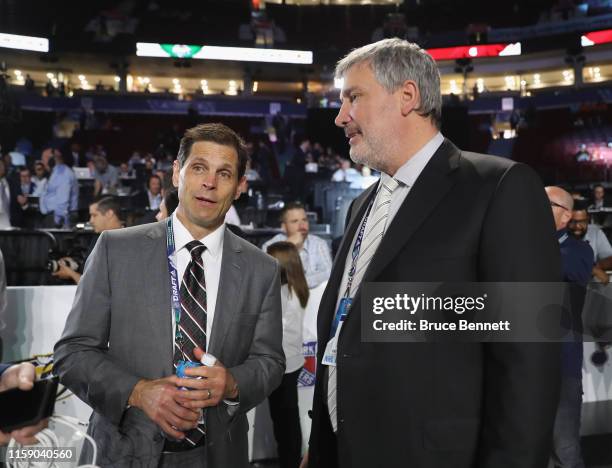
[409,96]
[242,187]
[176,169]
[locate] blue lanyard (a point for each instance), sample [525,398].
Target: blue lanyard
[356,249]
[175,290]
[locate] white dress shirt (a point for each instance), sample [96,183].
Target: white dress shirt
[211,258]
[293,319]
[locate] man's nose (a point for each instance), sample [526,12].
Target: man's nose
[343,116]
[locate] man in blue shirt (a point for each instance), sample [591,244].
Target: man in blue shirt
[61,194]
[577,262]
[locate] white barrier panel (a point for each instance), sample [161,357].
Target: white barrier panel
[35,319]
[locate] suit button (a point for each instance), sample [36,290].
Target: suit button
[341,420]
[346,355]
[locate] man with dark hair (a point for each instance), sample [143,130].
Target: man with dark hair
[151,197]
[438,214]
[581,228]
[577,263]
[104,215]
[314,251]
[598,201]
[159,296]
[168,205]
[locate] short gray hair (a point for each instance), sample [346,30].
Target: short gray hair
[394,61]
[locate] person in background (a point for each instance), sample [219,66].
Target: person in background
[21,376]
[106,177]
[167,205]
[314,251]
[151,197]
[60,195]
[284,400]
[20,191]
[104,215]
[5,198]
[232,217]
[39,178]
[577,263]
[581,228]
[599,198]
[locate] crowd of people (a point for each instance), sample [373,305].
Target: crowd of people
[216,299]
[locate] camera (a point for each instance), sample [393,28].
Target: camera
[53,265]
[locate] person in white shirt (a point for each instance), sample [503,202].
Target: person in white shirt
[284,400]
[346,173]
[5,197]
[314,251]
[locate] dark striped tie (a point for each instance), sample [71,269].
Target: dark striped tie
[192,325]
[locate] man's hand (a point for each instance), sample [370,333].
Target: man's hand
[22,200]
[159,400]
[217,384]
[21,376]
[304,463]
[297,239]
[66,273]
[601,275]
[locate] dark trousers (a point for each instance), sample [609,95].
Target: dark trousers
[566,447]
[286,420]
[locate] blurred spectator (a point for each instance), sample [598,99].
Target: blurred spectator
[29,83]
[79,158]
[150,198]
[39,179]
[577,263]
[104,215]
[125,172]
[168,205]
[5,198]
[314,251]
[60,195]
[251,173]
[106,177]
[19,197]
[346,173]
[231,217]
[311,165]
[581,229]
[599,198]
[283,401]
[296,168]
[582,155]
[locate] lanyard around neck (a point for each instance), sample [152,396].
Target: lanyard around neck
[175,284]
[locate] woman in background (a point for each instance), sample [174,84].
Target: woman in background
[284,400]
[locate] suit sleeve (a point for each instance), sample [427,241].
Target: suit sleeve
[81,358]
[518,243]
[264,367]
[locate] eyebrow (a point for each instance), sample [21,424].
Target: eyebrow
[347,91]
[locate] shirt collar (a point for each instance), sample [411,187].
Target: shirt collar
[409,172]
[212,241]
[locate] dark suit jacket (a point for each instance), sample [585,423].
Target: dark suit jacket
[468,217]
[17,212]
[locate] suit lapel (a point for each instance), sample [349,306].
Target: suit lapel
[229,291]
[160,310]
[429,189]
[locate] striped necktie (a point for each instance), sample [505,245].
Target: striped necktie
[374,232]
[192,325]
